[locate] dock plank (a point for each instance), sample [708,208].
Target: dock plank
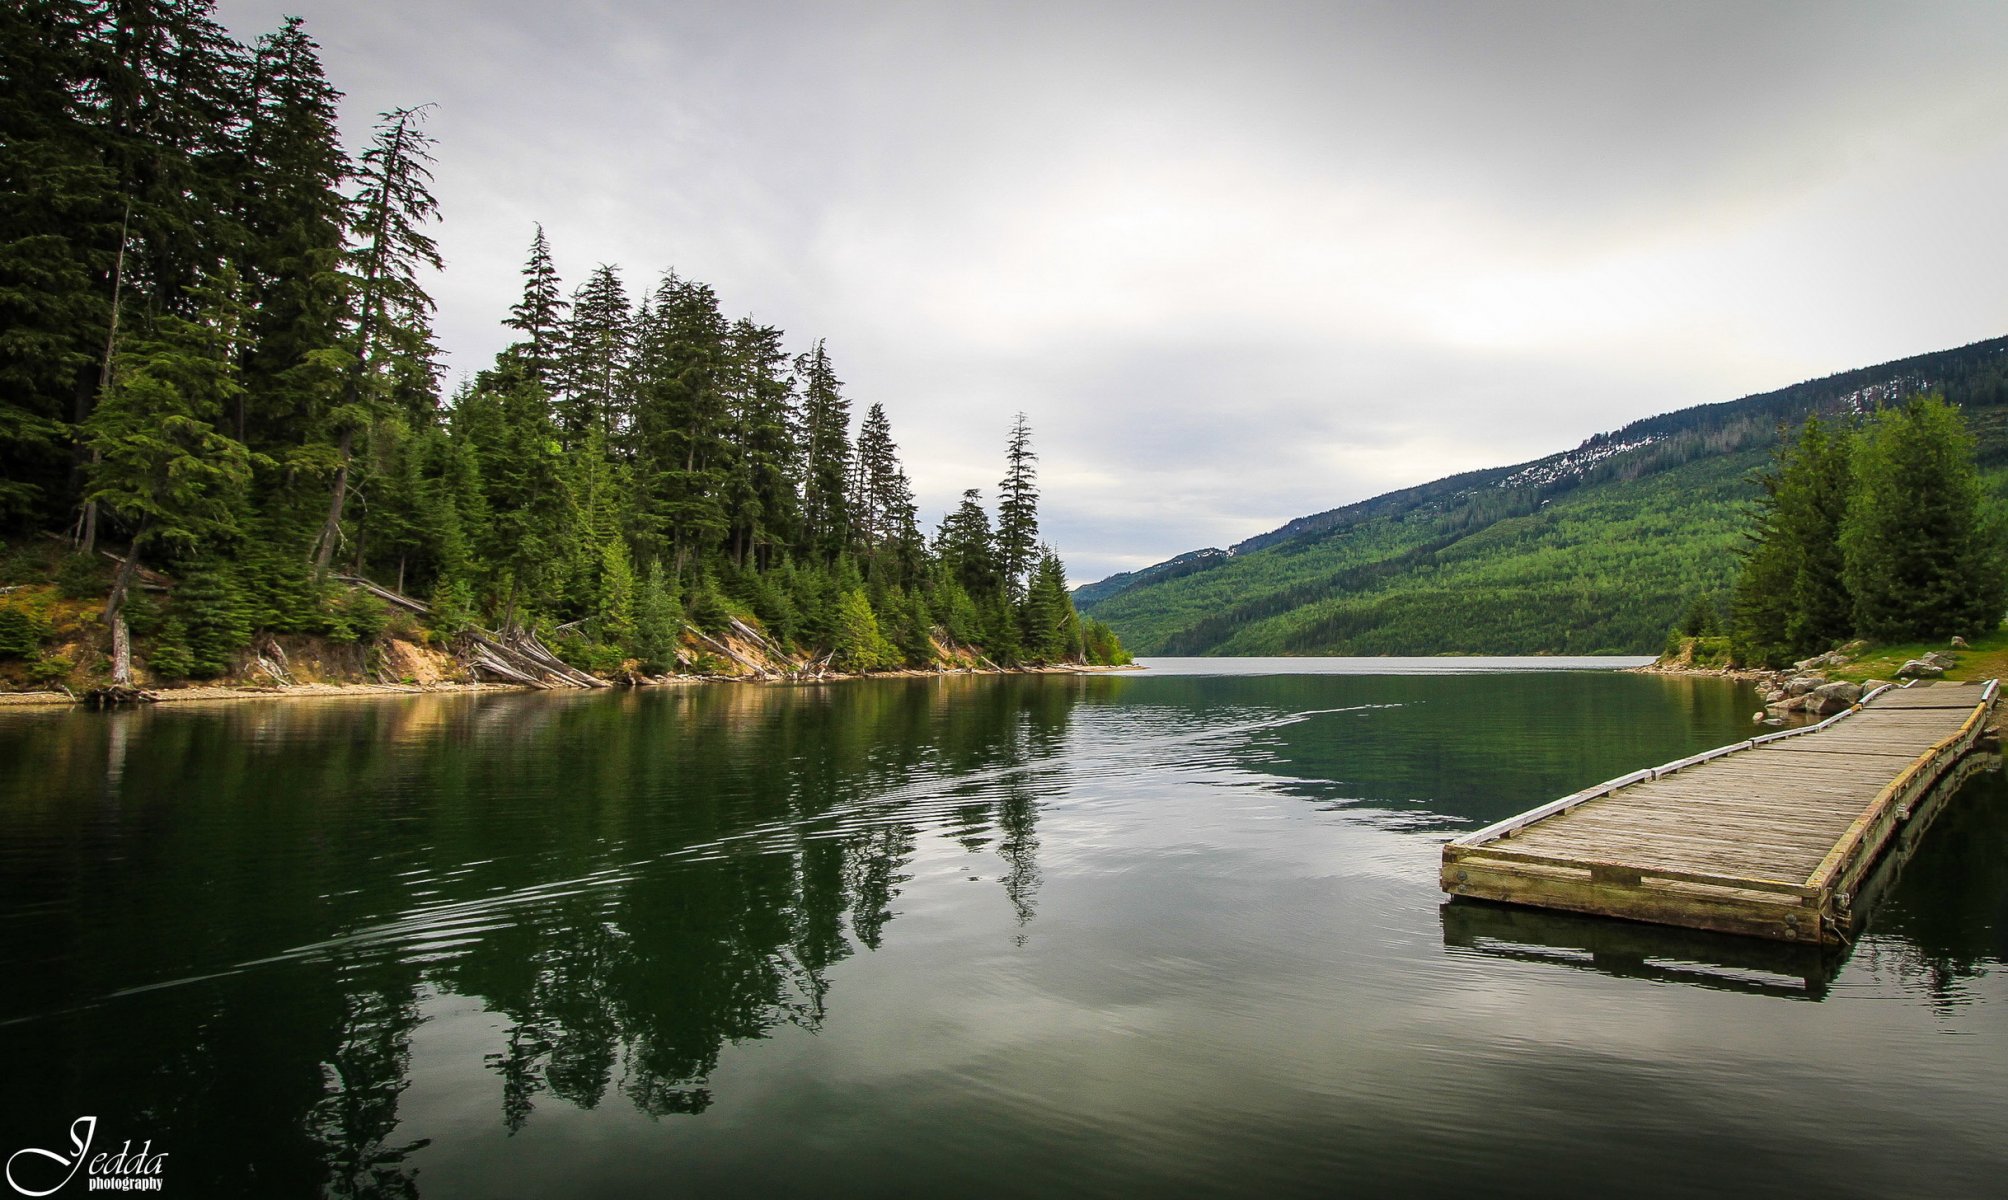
[1766,837]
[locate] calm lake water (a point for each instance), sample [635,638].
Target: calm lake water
[1164,933]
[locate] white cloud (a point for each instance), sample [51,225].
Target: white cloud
[1236,265]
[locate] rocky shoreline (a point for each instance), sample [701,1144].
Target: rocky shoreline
[1806,688]
[327,691]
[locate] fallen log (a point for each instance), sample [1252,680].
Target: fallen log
[768,645]
[152,581]
[750,664]
[481,658]
[526,644]
[386,595]
[517,656]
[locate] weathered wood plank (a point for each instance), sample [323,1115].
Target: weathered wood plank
[1733,838]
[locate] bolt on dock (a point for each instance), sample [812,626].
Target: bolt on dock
[1769,837]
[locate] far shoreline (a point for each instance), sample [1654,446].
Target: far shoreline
[217,693]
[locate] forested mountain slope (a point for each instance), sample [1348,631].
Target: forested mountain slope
[1592,550]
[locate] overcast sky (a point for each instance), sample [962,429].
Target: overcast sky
[1236,262]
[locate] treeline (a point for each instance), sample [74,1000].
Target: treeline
[1879,530]
[216,351]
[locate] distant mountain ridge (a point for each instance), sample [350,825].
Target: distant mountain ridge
[1593,549]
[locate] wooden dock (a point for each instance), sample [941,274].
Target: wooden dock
[1770,837]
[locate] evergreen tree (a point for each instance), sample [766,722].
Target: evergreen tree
[452,605]
[1812,501]
[154,90]
[393,311]
[965,543]
[60,218]
[814,594]
[859,645]
[210,602]
[773,603]
[658,620]
[291,223]
[164,468]
[540,315]
[762,508]
[708,609]
[1100,645]
[171,658]
[1790,598]
[915,630]
[1761,601]
[956,612]
[164,84]
[279,585]
[826,457]
[881,505]
[598,338]
[515,510]
[682,454]
[1001,638]
[617,607]
[1921,560]
[1702,618]
[1018,510]
[1047,622]
[596,494]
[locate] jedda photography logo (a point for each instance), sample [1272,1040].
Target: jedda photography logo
[36,1172]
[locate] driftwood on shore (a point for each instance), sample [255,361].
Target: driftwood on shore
[517,656]
[271,659]
[766,644]
[754,665]
[387,596]
[514,655]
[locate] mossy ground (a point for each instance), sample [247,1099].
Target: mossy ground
[1697,654]
[1986,657]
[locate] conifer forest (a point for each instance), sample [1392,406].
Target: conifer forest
[222,414]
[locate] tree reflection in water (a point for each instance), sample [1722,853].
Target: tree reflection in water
[745,841]
[630,883]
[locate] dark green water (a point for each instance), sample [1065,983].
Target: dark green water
[1150,934]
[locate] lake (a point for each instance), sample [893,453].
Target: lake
[1174,932]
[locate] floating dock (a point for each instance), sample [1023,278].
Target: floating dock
[1770,837]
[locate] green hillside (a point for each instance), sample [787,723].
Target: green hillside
[1595,550]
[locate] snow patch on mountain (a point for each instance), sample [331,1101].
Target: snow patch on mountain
[1572,464]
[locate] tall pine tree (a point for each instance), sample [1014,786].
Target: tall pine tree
[1922,560]
[540,315]
[393,310]
[1018,509]
[826,456]
[598,338]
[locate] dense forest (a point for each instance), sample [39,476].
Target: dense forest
[218,372]
[1599,549]
[1877,528]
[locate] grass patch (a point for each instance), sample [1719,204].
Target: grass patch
[1985,658]
[1697,653]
